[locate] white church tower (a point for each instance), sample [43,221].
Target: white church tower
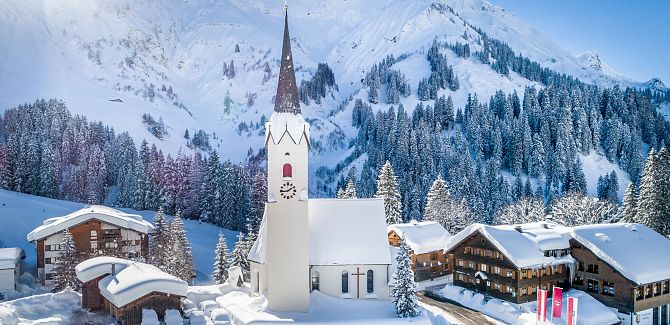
[287,241]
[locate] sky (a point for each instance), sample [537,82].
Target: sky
[631,37]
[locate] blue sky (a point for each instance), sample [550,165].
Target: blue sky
[632,37]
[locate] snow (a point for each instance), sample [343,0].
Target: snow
[596,165]
[173,317]
[48,308]
[631,249]
[10,257]
[149,317]
[422,237]
[244,309]
[526,248]
[591,312]
[281,124]
[361,221]
[131,281]
[102,213]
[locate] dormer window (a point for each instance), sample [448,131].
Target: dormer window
[288,171]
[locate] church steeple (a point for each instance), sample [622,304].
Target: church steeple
[286,100]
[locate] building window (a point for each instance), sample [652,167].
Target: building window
[48,276]
[580,266]
[489,253]
[482,267]
[287,170]
[94,245]
[345,282]
[498,255]
[647,291]
[657,289]
[433,256]
[496,286]
[592,285]
[579,280]
[509,273]
[638,294]
[524,291]
[608,288]
[666,286]
[315,280]
[510,289]
[460,263]
[477,251]
[94,234]
[592,268]
[496,270]
[468,250]
[257,282]
[371,278]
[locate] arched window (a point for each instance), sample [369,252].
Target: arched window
[315,280]
[257,282]
[345,282]
[371,278]
[288,170]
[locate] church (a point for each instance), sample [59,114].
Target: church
[336,246]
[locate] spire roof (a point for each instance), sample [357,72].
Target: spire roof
[286,100]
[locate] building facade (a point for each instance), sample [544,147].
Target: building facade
[511,263]
[96,230]
[11,268]
[619,265]
[426,241]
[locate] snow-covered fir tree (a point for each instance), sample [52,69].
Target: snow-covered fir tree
[349,192]
[442,207]
[653,203]
[239,256]
[221,261]
[180,258]
[628,210]
[387,189]
[523,211]
[159,249]
[403,293]
[259,196]
[68,257]
[576,209]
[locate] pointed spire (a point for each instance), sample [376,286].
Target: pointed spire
[286,100]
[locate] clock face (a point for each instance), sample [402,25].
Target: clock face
[287,190]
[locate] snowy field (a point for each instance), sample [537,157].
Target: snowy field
[591,312]
[21,213]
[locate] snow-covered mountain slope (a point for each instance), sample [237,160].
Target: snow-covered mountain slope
[116,60]
[20,213]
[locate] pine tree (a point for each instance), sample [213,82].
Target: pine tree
[239,257]
[653,197]
[349,192]
[158,244]
[387,188]
[403,293]
[629,207]
[259,196]
[221,261]
[181,262]
[68,257]
[523,211]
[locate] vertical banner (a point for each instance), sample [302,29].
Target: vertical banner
[557,303]
[572,311]
[542,305]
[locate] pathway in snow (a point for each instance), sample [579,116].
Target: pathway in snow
[457,314]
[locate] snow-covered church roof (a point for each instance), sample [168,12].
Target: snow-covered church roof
[422,237]
[341,232]
[130,281]
[637,252]
[524,244]
[9,257]
[99,212]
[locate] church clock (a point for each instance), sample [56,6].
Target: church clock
[287,190]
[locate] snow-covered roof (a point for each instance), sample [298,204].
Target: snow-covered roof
[106,214]
[422,237]
[634,250]
[10,257]
[281,124]
[524,244]
[341,232]
[131,281]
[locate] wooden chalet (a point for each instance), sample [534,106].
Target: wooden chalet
[511,262]
[123,288]
[426,241]
[95,230]
[626,267]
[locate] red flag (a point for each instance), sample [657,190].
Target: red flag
[572,311]
[542,305]
[557,305]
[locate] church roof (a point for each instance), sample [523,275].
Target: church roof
[286,100]
[341,232]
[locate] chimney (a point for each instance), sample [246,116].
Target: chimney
[113,269]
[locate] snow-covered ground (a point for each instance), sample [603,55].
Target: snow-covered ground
[591,312]
[20,213]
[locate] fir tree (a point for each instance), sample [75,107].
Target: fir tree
[387,188]
[653,196]
[239,256]
[629,207]
[68,257]
[403,293]
[221,261]
[349,192]
[523,211]
[158,243]
[181,262]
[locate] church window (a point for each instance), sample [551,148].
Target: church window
[345,282]
[315,280]
[371,278]
[288,170]
[257,282]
